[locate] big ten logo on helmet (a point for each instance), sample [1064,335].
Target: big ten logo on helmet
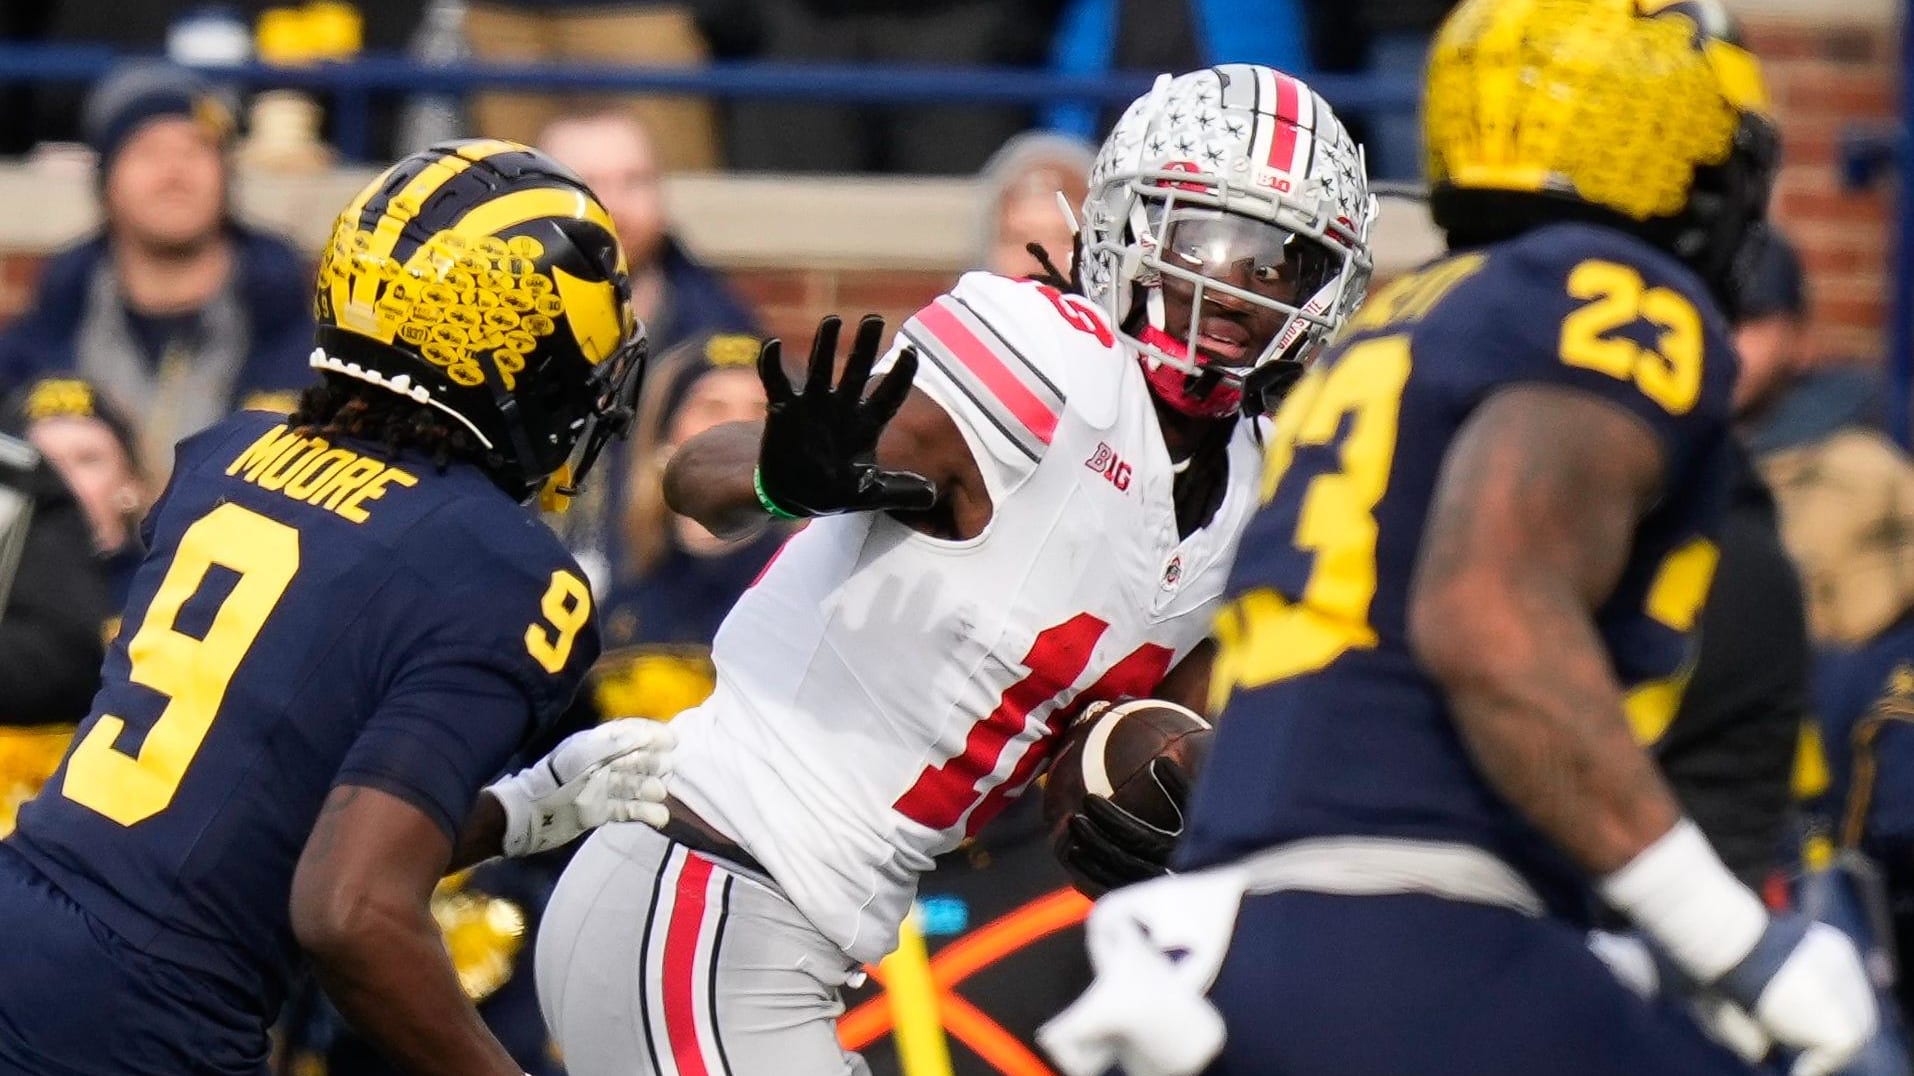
[454,300]
[1107,463]
[1275,181]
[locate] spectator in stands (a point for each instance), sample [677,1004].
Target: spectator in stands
[679,580]
[174,309]
[949,139]
[91,445]
[650,33]
[677,298]
[1018,196]
[1786,400]
[1812,432]
[52,605]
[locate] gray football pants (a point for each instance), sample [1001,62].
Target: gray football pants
[654,960]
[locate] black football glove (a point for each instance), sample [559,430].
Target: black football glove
[817,457]
[1104,847]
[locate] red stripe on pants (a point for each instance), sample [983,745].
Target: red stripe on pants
[681,951]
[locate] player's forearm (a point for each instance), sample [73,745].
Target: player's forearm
[482,837]
[1534,700]
[710,478]
[386,970]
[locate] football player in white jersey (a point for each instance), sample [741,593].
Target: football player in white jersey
[1034,508]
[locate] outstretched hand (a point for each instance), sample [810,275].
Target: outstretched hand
[818,453]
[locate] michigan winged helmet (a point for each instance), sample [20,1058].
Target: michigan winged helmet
[1647,115]
[483,279]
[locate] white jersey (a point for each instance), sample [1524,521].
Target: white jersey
[882,693]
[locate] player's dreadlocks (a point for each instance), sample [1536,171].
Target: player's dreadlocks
[336,407]
[1071,284]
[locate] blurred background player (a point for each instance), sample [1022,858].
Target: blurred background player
[64,590]
[1043,519]
[53,603]
[96,451]
[1491,530]
[347,624]
[178,312]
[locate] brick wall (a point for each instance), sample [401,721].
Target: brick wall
[1826,77]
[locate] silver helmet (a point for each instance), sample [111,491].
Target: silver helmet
[1239,181]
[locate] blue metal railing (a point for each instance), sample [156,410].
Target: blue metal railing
[353,85]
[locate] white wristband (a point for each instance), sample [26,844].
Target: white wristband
[1679,892]
[519,809]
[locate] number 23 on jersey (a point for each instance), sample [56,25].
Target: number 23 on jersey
[1263,637]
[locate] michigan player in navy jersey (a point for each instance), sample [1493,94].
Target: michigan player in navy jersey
[348,623]
[1468,597]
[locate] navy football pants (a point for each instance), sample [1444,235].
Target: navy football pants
[76,1000]
[1318,985]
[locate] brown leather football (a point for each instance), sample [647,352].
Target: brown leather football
[1108,751]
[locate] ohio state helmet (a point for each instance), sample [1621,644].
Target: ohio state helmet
[1251,164]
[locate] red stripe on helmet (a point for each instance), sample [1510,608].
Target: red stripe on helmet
[1282,142]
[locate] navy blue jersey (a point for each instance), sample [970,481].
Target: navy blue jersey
[311,614]
[1332,728]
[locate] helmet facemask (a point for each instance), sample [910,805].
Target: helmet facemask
[615,386]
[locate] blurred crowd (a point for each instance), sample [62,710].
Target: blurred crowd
[175,312]
[1070,37]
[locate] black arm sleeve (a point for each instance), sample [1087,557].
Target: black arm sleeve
[50,645]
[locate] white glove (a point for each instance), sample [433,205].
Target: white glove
[1631,960]
[1805,984]
[611,773]
[1156,948]
[1802,982]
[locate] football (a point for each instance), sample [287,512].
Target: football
[1107,752]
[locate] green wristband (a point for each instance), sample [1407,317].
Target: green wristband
[764,499]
